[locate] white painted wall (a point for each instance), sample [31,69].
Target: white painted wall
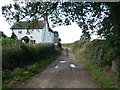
[39,35]
[36,34]
[49,36]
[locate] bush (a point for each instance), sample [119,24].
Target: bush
[97,50]
[20,61]
[17,72]
[97,57]
[17,54]
[59,45]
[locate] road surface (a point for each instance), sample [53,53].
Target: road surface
[65,72]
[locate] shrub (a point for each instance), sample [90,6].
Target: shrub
[6,74]
[17,54]
[99,53]
[97,57]
[17,72]
[59,45]
[97,50]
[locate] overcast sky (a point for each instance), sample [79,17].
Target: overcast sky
[68,34]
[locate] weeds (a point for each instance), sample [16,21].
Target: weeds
[67,54]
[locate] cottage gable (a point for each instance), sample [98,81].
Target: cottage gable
[40,32]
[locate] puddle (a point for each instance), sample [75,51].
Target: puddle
[56,66]
[72,65]
[62,61]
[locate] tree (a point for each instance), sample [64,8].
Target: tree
[98,16]
[30,11]
[85,36]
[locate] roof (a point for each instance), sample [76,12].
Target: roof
[25,37]
[29,25]
[51,30]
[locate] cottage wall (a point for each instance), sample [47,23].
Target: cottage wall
[35,34]
[49,36]
[39,35]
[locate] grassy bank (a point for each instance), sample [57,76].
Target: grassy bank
[17,54]
[21,61]
[93,55]
[12,77]
[104,78]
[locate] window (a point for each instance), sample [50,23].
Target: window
[34,41]
[19,32]
[31,36]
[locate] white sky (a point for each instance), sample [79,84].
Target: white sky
[68,34]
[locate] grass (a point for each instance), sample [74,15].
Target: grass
[18,75]
[91,54]
[21,61]
[67,54]
[104,79]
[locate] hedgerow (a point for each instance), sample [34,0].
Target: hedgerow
[17,54]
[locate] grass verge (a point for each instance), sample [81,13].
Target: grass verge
[17,75]
[95,55]
[104,79]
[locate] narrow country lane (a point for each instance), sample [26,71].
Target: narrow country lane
[65,72]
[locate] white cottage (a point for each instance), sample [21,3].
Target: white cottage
[33,33]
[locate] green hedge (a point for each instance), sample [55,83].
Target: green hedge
[17,54]
[96,50]
[12,77]
[21,61]
[97,57]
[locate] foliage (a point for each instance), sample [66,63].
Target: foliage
[98,17]
[67,53]
[95,16]
[96,50]
[92,54]
[85,36]
[21,61]
[8,42]
[59,45]
[12,77]
[104,80]
[15,53]
[30,11]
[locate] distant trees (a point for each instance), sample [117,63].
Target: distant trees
[85,36]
